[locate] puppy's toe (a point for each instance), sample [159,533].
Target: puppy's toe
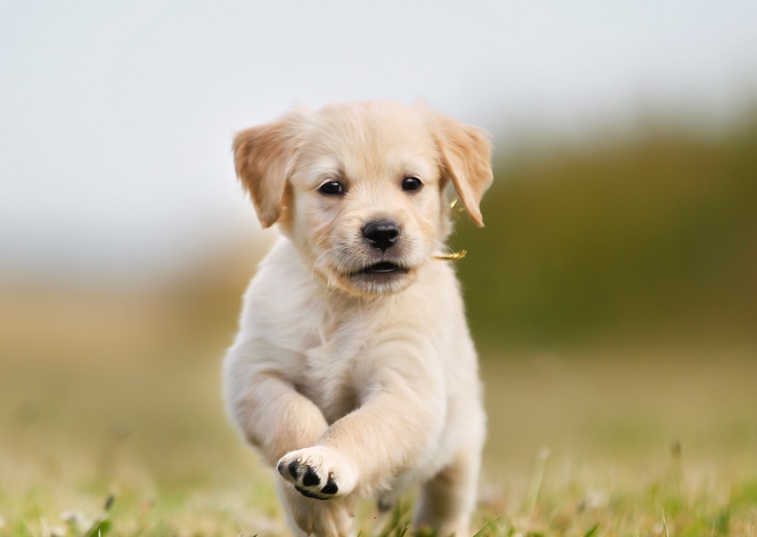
[317,473]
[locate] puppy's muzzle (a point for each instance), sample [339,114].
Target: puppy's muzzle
[381,233]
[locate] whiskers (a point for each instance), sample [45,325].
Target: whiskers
[346,263]
[337,264]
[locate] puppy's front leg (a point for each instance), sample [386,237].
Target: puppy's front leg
[273,416]
[392,431]
[268,410]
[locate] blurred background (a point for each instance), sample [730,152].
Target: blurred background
[612,293]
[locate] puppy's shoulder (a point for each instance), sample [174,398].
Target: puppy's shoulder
[282,290]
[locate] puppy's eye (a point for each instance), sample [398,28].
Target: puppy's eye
[411,183]
[331,188]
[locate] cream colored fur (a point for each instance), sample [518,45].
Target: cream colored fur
[353,381]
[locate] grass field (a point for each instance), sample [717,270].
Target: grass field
[612,293]
[115,398]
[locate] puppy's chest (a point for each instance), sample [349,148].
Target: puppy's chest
[329,375]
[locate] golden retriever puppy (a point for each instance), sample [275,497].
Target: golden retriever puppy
[353,371]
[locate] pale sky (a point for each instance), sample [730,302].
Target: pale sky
[116,117]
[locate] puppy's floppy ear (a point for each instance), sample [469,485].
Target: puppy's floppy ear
[263,157]
[466,160]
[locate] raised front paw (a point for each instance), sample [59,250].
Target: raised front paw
[318,472]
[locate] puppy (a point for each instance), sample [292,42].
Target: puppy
[353,371]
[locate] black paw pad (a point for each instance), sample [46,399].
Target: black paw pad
[295,469]
[325,493]
[311,479]
[309,494]
[331,486]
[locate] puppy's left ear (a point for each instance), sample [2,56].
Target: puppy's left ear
[466,160]
[263,157]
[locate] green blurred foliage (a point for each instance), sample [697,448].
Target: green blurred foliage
[648,235]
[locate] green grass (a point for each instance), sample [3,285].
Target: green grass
[120,403]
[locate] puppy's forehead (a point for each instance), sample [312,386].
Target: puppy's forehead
[373,139]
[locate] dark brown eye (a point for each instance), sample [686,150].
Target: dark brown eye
[331,188]
[411,183]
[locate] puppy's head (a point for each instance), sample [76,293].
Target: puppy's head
[359,187]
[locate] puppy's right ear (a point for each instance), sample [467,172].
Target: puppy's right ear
[263,157]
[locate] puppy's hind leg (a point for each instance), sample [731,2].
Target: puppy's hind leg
[284,497]
[387,513]
[447,500]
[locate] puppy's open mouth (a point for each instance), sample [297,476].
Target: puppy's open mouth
[383,267]
[380,278]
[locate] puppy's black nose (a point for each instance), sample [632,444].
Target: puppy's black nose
[381,233]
